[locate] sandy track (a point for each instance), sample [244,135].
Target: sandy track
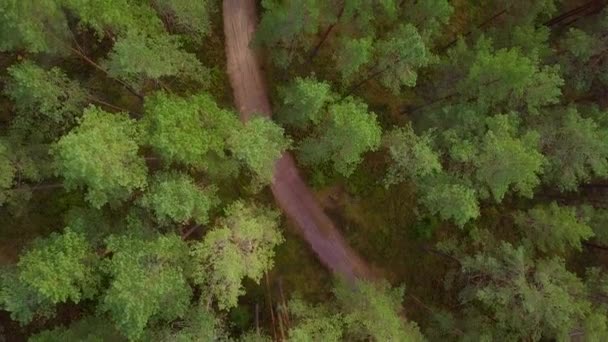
[290,191]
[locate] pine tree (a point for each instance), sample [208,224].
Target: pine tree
[553,228]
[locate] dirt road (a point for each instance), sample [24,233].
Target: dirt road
[292,194]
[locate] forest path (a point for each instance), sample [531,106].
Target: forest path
[288,187]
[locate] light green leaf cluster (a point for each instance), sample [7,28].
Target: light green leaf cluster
[352,57]
[61,268]
[304,101]
[241,245]
[372,311]
[189,130]
[259,143]
[506,77]
[147,281]
[35,26]
[525,299]
[47,101]
[314,323]
[22,301]
[348,131]
[138,57]
[449,200]
[115,16]
[402,53]
[576,148]
[553,228]
[412,156]
[199,324]
[505,161]
[175,197]
[190,17]
[101,155]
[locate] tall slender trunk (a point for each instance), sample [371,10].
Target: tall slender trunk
[313,53]
[590,7]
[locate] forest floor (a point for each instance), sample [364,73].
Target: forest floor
[289,189]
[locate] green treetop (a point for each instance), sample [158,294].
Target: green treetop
[147,281]
[259,143]
[47,101]
[138,57]
[553,228]
[188,130]
[175,197]
[101,155]
[314,322]
[412,156]
[373,311]
[303,102]
[241,245]
[524,298]
[348,131]
[576,148]
[507,162]
[58,269]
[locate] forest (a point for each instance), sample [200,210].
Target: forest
[303,170]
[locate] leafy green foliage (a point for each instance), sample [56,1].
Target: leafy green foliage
[584,54]
[58,269]
[174,197]
[138,57]
[451,201]
[101,154]
[7,171]
[61,268]
[259,144]
[507,77]
[412,156]
[38,26]
[342,139]
[429,16]
[190,17]
[199,325]
[303,102]
[241,245]
[148,281]
[403,52]
[353,55]
[554,228]
[189,130]
[525,299]
[23,302]
[47,101]
[314,323]
[505,161]
[116,16]
[373,311]
[576,147]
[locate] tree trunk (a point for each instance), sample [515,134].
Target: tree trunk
[313,53]
[588,7]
